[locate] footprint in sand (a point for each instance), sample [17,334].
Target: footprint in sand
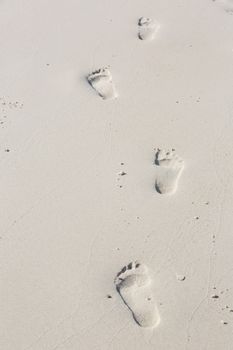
[133,283]
[101,81]
[147,28]
[169,168]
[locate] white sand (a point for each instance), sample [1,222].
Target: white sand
[69,218]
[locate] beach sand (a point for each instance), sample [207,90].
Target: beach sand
[131,165]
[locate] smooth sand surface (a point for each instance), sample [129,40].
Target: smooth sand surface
[78,198]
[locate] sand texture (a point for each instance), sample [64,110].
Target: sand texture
[116,175]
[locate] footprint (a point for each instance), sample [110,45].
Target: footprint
[101,81]
[169,169]
[133,283]
[147,28]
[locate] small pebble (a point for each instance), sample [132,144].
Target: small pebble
[180,277]
[214,296]
[224,322]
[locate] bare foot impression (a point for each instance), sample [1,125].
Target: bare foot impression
[147,28]
[101,81]
[169,169]
[133,283]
